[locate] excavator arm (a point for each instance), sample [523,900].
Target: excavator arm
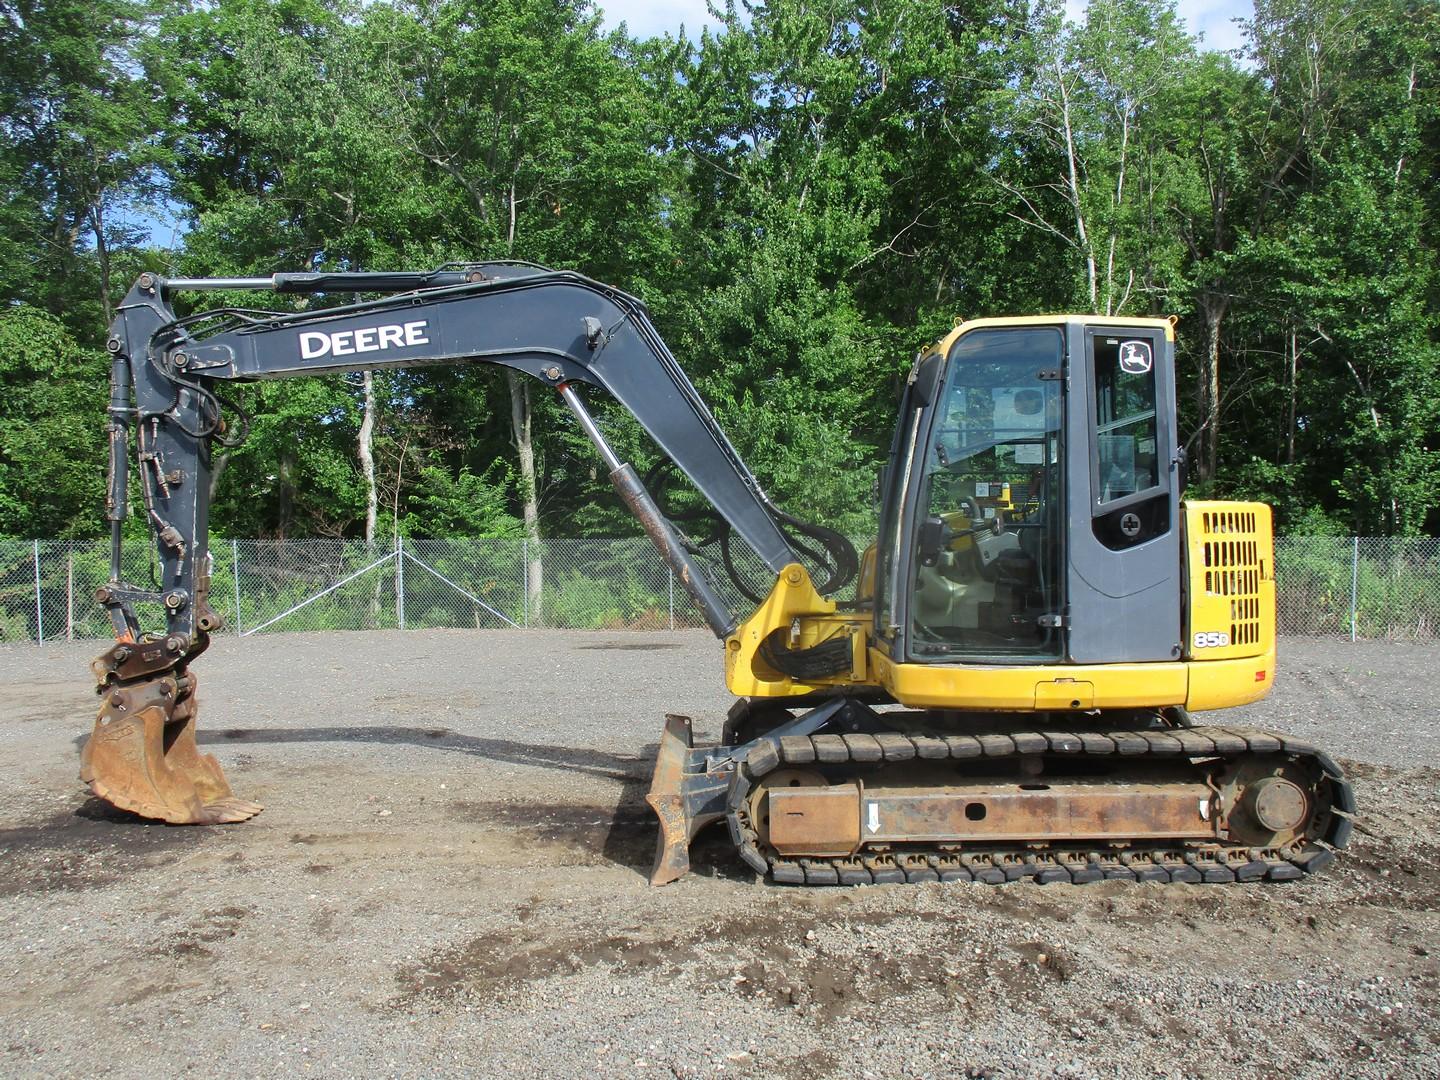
[167,380]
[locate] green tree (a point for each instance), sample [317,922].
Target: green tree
[285,161]
[77,153]
[52,440]
[537,143]
[783,194]
[1338,261]
[1089,165]
[802,198]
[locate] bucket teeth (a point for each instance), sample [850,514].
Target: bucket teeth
[142,757]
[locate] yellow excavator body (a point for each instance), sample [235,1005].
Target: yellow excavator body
[1230,596]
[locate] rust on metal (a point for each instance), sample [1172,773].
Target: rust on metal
[1278,804]
[1268,801]
[127,660]
[1074,811]
[814,820]
[838,820]
[142,757]
[672,849]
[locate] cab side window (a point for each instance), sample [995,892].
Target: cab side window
[1126,459]
[1130,501]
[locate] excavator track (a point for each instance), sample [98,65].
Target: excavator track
[1207,750]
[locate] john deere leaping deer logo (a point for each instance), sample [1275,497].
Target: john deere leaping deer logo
[1135,357]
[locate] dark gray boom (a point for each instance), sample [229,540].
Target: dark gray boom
[559,327]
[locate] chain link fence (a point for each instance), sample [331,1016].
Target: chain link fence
[1358,587]
[1337,586]
[47,587]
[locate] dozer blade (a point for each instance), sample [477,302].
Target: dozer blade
[142,757]
[684,796]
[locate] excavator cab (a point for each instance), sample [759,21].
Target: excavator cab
[1039,506]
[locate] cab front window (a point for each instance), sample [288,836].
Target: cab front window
[989,533]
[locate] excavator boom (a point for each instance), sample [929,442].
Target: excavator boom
[165,412]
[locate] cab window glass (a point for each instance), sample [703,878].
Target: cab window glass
[989,542]
[1126,459]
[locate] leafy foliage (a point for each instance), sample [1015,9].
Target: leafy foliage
[803,198]
[51,438]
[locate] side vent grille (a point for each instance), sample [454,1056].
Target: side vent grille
[1229,602]
[1234,568]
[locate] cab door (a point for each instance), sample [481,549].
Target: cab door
[1124,534]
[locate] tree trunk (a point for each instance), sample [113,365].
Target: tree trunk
[1291,404]
[285,498]
[525,448]
[372,500]
[1212,308]
[1072,162]
[218,465]
[395,495]
[102,256]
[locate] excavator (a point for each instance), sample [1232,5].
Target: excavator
[1001,688]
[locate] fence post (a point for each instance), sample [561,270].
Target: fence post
[400,580]
[1354,583]
[39,613]
[670,584]
[525,579]
[69,596]
[235,573]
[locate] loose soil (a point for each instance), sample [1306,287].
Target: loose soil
[449,880]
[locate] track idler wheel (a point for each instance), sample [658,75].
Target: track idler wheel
[142,757]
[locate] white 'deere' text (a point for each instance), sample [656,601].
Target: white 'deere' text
[315,344]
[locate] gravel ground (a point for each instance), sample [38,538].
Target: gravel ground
[449,879]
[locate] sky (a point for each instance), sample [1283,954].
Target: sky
[651,17]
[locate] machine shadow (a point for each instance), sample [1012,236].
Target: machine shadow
[630,835]
[98,810]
